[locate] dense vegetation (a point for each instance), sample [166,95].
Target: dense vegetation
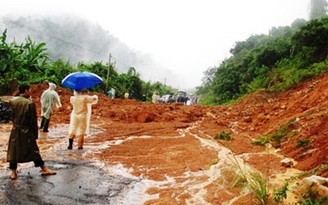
[273,62]
[29,63]
[75,39]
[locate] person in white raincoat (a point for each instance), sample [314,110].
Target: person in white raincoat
[113,93]
[49,98]
[80,117]
[154,98]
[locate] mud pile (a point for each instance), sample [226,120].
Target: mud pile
[177,146]
[302,110]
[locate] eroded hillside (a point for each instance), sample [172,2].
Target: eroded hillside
[178,146]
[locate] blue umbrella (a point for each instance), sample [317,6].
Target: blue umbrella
[81,80]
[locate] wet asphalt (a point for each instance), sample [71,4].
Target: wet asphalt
[76,182]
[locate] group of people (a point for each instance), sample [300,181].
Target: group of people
[22,146]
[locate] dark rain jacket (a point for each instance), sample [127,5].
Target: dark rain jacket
[22,146]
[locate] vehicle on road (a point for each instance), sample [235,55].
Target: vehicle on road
[168,98]
[182,97]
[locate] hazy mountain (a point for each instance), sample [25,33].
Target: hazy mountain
[75,39]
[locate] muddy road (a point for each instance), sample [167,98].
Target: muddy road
[144,153]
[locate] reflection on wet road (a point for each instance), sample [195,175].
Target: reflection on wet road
[77,181]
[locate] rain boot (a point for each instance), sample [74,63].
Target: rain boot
[70,144]
[80,142]
[46,125]
[42,122]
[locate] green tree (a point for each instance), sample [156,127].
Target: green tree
[21,63]
[273,62]
[310,43]
[57,71]
[135,83]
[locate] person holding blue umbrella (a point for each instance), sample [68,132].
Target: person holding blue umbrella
[81,80]
[79,117]
[81,103]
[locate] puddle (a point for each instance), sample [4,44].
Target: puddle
[76,182]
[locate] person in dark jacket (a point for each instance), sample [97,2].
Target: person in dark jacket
[22,146]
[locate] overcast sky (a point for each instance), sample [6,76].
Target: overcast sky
[186,36]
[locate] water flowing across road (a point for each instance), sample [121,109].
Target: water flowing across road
[81,181]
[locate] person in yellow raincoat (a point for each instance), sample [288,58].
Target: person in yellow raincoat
[79,117]
[49,98]
[154,98]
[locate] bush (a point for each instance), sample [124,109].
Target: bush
[303,143]
[263,140]
[223,136]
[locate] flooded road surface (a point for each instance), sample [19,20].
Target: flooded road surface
[128,170]
[82,179]
[76,182]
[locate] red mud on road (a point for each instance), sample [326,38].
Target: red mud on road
[177,145]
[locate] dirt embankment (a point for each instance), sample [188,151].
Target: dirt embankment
[160,141]
[302,111]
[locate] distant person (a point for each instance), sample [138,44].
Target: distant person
[188,101]
[110,94]
[22,146]
[131,96]
[126,95]
[154,98]
[113,93]
[193,100]
[49,98]
[79,117]
[144,98]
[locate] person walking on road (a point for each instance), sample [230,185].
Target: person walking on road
[79,117]
[49,98]
[22,146]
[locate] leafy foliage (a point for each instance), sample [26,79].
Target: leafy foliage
[29,63]
[21,63]
[262,140]
[223,136]
[253,180]
[280,194]
[275,62]
[303,143]
[312,197]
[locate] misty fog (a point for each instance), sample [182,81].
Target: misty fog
[75,39]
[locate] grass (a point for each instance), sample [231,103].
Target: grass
[280,194]
[303,143]
[254,181]
[276,137]
[223,136]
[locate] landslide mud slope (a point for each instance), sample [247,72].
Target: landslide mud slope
[175,148]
